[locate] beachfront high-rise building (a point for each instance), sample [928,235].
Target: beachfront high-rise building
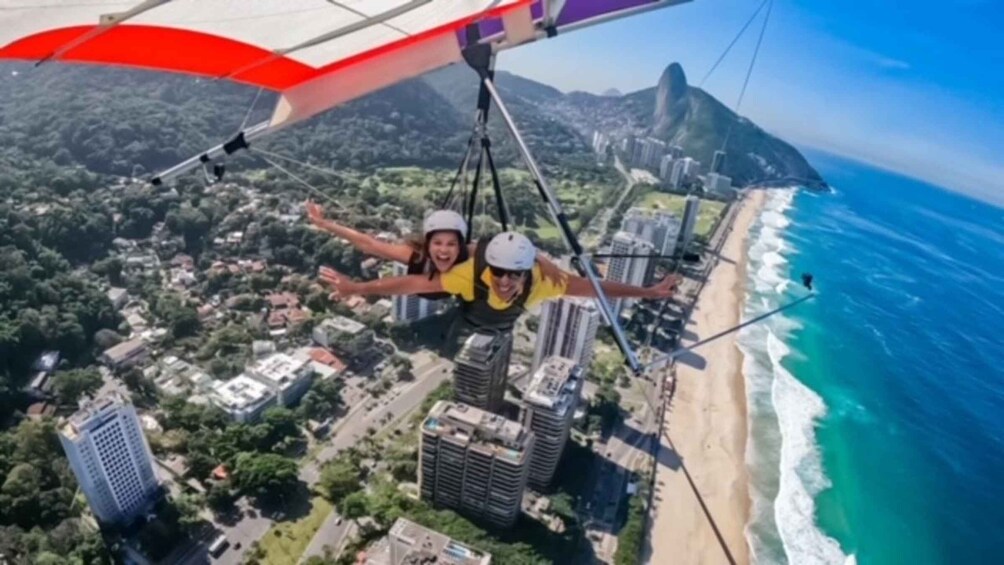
[719,185]
[111,459]
[567,328]
[410,308]
[676,174]
[480,370]
[684,170]
[631,269]
[659,227]
[548,405]
[718,162]
[627,146]
[408,543]
[691,207]
[665,167]
[474,462]
[651,153]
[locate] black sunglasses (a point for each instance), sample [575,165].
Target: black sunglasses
[501,273]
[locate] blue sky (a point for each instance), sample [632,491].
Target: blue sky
[914,87]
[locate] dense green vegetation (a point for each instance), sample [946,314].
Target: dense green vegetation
[252,452]
[68,136]
[39,516]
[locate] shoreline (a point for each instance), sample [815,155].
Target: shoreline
[701,501]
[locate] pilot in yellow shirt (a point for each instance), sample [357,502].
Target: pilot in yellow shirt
[459,281]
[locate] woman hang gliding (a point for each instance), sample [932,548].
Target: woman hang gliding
[494,286]
[441,246]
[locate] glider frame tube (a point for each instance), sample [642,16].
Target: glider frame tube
[662,360]
[237,142]
[584,266]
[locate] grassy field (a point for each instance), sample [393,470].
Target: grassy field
[287,541]
[709,211]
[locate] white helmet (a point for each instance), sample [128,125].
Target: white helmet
[512,251]
[442,220]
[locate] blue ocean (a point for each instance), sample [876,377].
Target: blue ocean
[877,408]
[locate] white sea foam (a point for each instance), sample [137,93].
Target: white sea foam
[784,462]
[802,477]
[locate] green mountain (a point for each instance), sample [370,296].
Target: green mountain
[126,122]
[683,115]
[693,119]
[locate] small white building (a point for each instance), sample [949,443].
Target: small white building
[287,377]
[346,334]
[242,397]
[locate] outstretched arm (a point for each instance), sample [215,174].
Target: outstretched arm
[580,286]
[361,241]
[389,286]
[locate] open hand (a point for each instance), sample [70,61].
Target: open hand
[315,213]
[551,272]
[664,288]
[342,285]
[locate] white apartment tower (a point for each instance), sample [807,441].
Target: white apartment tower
[567,328]
[629,270]
[660,228]
[474,462]
[547,409]
[110,457]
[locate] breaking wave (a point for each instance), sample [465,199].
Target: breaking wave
[783,458]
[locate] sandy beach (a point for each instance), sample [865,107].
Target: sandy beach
[701,501]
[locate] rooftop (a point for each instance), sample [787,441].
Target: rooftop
[240,392]
[278,368]
[92,412]
[408,543]
[468,424]
[343,324]
[554,384]
[283,300]
[124,350]
[328,358]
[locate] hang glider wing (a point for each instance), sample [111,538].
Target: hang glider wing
[316,53]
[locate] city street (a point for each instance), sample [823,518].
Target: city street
[592,235]
[427,378]
[429,373]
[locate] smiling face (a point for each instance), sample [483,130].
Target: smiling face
[444,249]
[509,286]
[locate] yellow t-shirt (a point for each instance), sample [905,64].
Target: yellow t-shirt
[460,281]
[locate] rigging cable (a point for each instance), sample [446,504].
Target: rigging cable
[262,155]
[247,116]
[734,40]
[749,72]
[317,168]
[756,51]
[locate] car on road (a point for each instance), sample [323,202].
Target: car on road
[338,522]
[218,546]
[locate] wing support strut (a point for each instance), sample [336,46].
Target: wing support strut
[479,57]
[241,140]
